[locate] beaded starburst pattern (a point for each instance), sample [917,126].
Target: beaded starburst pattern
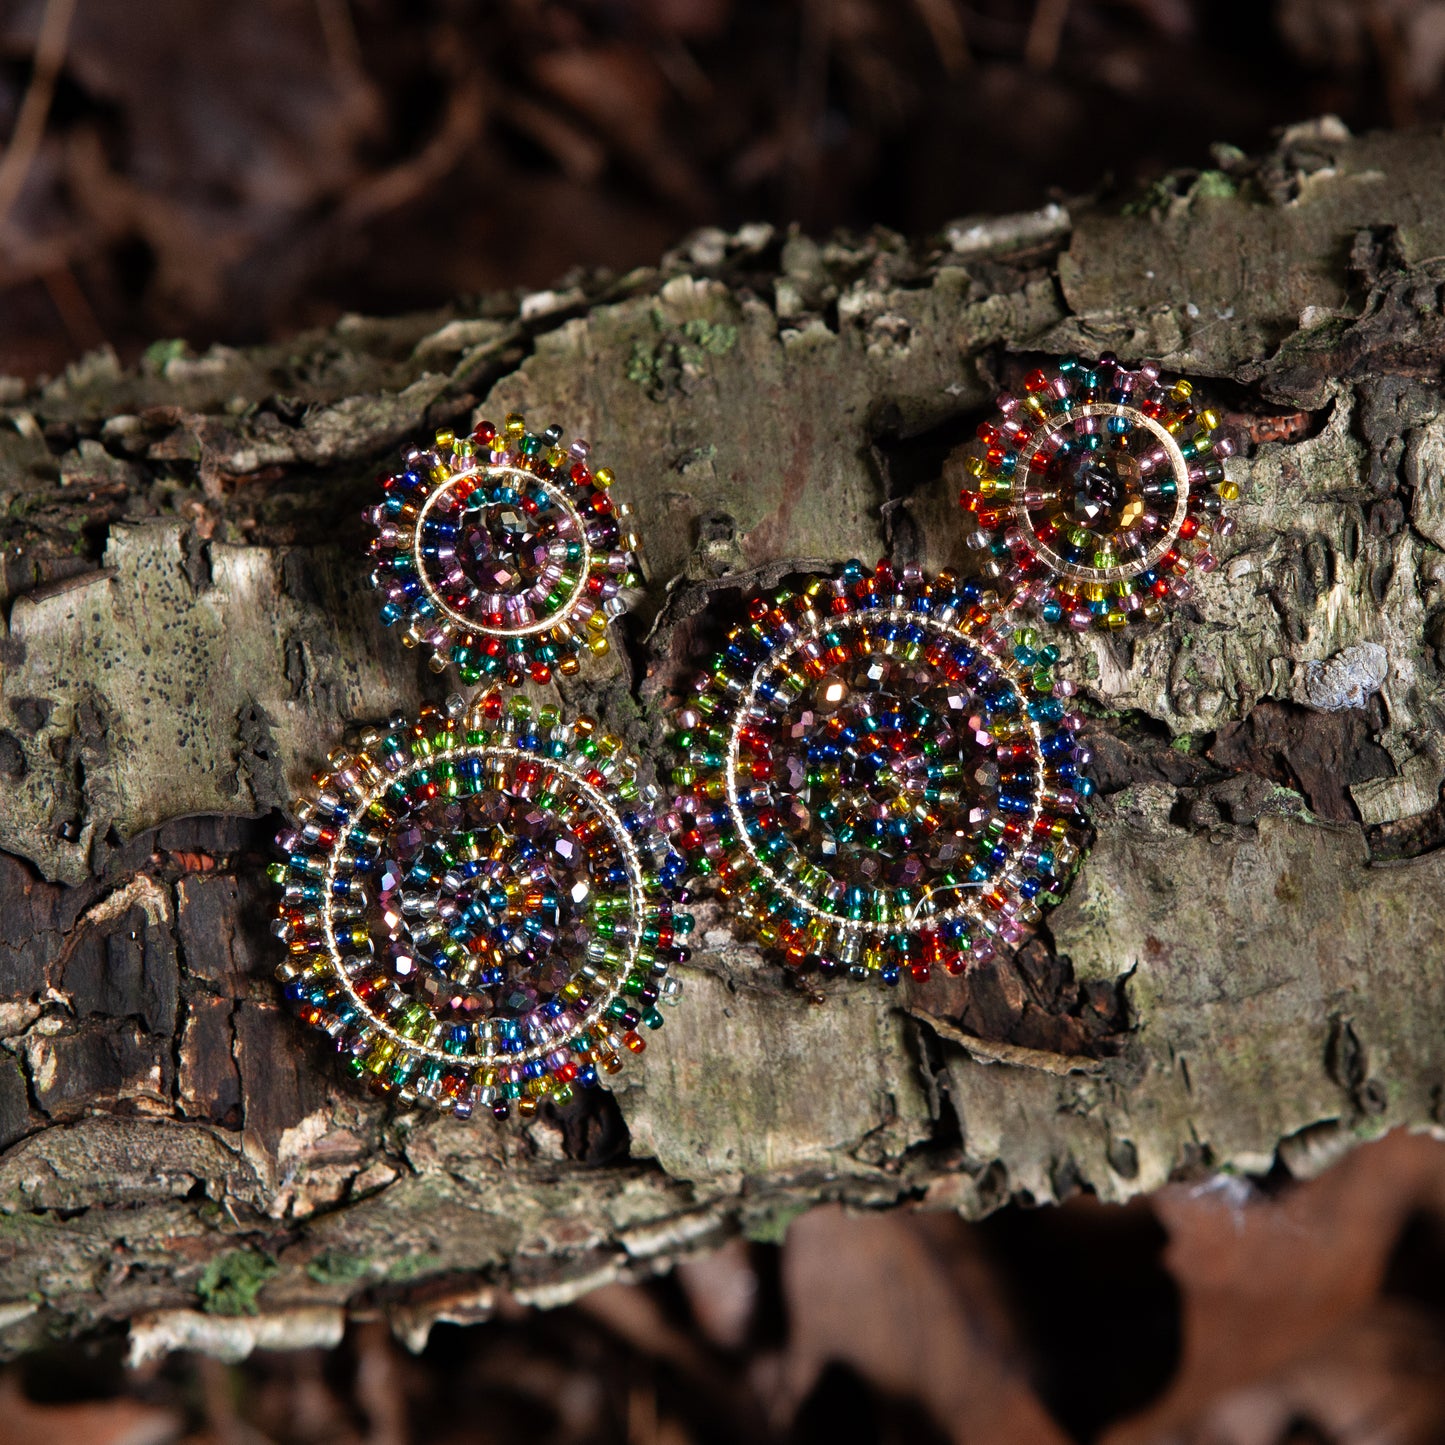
[503,553]
[481,907]
[881,775]
[1096,493]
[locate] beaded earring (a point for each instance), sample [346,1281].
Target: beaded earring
[1096,493]
[881,775]
[481,907]
[503,553]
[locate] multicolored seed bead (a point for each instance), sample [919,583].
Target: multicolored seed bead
[1095,494]
[882,775]
[481,907]
[503,553]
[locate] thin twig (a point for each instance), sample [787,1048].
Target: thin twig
[1046,35]
[76,313]
[945,29]
[338,29]
[988,1051]
[461,124]
[35,108]
[1384,32]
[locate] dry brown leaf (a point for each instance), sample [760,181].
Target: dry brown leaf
[1376,1380]
[99,1422]
[910,1306]
[1268,1283]
[722,1288]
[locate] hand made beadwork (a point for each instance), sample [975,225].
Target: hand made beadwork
[1097,491]
[502,553]
[881,774]
[481,907]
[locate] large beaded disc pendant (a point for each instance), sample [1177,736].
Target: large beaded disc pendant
[503,553]
[882,775]
[481,907]
[1096,493]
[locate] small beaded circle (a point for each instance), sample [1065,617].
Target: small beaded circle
[1096,493]
[881,774]
[481,907]
[503,553]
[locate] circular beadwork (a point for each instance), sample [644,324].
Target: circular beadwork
[503,553]
[882,774]
[481,906]
[1096,492]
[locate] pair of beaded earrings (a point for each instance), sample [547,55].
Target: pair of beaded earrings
[879,772]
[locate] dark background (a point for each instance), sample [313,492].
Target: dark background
[232,172]
[236,171]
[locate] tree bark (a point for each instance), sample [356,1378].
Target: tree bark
[1246,975]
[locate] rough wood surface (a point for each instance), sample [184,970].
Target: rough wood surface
[1249,973]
